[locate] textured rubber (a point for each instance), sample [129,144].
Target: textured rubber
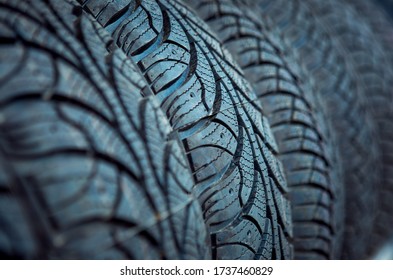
[89,167]
[228,141]
[374,60]
[297,122]
[378,20]
[307,27]
[365,53]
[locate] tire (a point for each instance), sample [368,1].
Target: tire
[377,68]
[232,154]
[306,27]
[297,121]
[365,53]
[89,167]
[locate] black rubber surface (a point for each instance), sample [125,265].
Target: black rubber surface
[228,141]
[89,167]
[297,122]
[307,25]
[365,53]
[375,62]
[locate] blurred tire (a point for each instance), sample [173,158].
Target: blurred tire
[377,69]
[310,27]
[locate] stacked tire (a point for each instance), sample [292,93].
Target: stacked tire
[162,129]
